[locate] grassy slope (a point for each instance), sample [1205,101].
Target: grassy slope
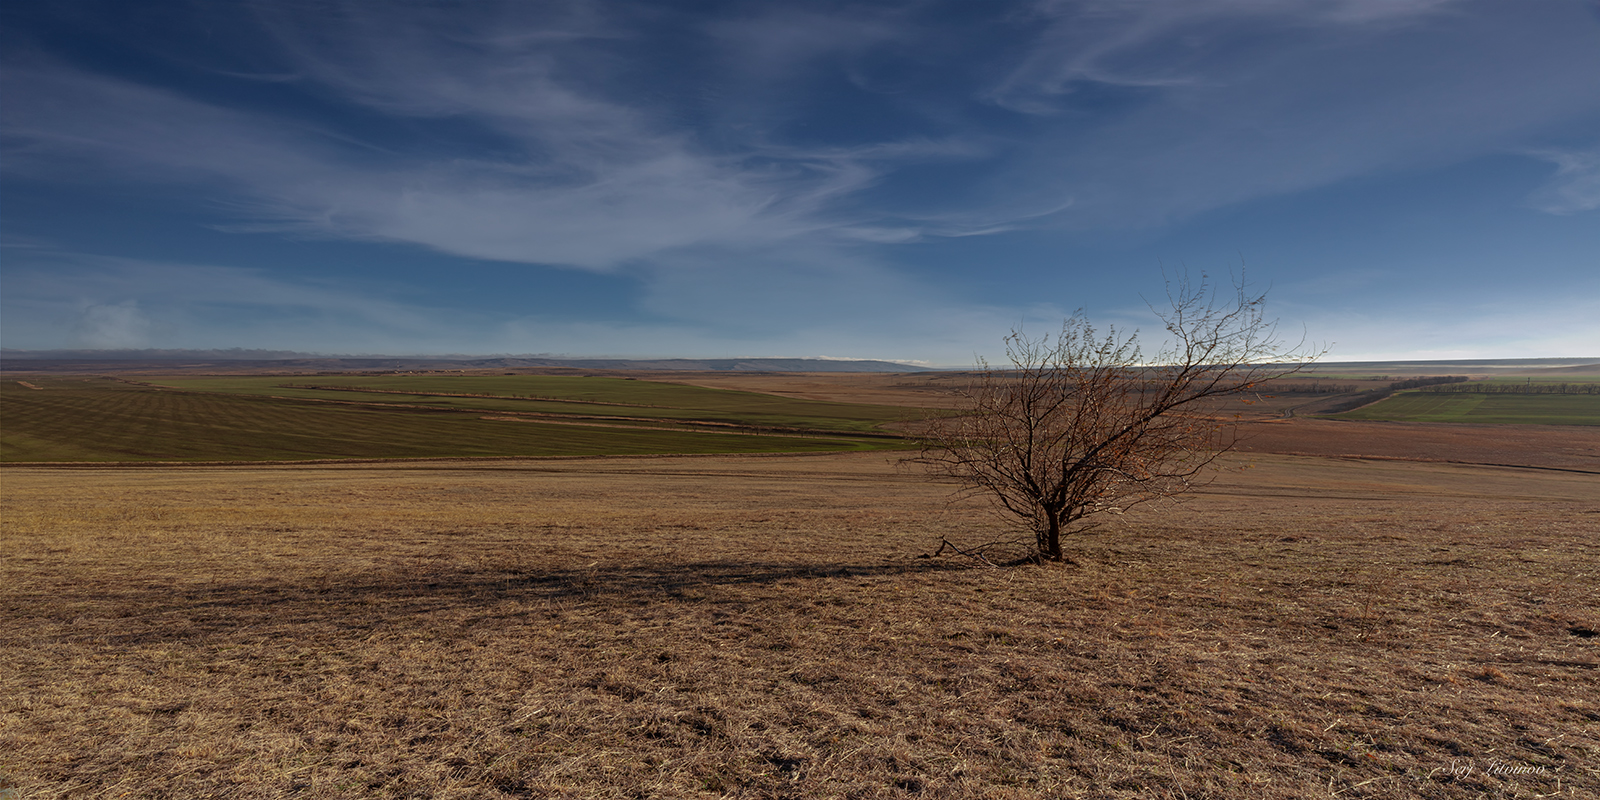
[666,401]
[77,419]
[1537,409]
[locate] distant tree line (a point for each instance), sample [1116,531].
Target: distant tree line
[1371,396]
[1418,383]
[1521,388]
[1315,387]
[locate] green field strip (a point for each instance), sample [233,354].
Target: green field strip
[567,396]
[614,414]
[1481,408]
[106,420]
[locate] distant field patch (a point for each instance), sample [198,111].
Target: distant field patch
[1479,407]
[1575,385]
[563,395]
[99,419]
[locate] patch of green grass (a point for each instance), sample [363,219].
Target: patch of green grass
[608,397]
[98,419]
[1475,407]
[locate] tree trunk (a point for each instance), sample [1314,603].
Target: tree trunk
[1051,544]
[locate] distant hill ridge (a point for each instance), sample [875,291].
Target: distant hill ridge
[144,360]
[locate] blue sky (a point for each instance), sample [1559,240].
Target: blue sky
[898,180]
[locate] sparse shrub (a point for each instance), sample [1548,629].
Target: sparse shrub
[1082,423]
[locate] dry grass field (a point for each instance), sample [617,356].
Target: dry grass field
[762,626]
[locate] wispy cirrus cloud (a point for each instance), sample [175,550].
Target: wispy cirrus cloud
[593,212]
[766,171]
[1156,110]
[1575,187]
[563,167]
[1172,43]
[535,134]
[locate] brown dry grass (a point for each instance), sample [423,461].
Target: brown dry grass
[761,627]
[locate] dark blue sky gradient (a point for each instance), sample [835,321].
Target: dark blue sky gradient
[897,180]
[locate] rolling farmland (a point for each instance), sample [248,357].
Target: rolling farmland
[612,398]
[100,419]
[1398,599]
[1483,408]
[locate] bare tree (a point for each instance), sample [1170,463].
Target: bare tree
[1082,423]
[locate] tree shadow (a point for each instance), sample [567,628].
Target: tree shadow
[367,603]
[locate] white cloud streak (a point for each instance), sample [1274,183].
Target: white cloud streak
[1236,101]
[571,177]
[1221,102]
[113,326]
[1575,188]
[1167,43]
[548,134]
[851,310]
[588,212]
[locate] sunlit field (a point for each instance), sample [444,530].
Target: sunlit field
[1523,409]
[764,626]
